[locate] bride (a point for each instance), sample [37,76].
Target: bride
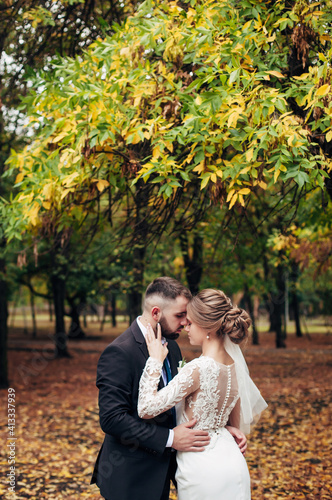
[216,389]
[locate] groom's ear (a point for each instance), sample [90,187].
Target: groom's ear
[156,313]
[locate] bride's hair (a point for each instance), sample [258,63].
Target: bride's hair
[213,311]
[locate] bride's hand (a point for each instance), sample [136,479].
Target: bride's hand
[156,349]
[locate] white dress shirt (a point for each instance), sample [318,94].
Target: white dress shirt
[164,376]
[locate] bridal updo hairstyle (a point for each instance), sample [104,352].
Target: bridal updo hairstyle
[213,311]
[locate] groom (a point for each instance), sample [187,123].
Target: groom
[137,458]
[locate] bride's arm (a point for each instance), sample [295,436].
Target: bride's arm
[152,402]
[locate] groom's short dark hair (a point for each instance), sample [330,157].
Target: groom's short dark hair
[168,288]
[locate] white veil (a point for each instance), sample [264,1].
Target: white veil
[252,403]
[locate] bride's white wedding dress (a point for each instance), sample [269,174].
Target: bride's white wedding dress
[208,391]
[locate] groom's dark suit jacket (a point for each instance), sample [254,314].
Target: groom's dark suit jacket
[133,462]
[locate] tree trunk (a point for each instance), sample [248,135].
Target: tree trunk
[296,311]
[50,311]
[113,304]
[75,329]
[279,309]
[135,293]
[272,316]
[3,322]
[141,229]
[295,298]
[59,287]
[103,321]
[278,325]
[25,323]
[194,264]
[249,305]
[33,315]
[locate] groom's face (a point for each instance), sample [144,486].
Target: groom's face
[174,317]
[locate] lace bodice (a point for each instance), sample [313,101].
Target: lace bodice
[208,389]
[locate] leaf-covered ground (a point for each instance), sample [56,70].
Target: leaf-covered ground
[58,434]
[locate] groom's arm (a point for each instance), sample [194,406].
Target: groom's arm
[239,437]
[233,425]
[114,381]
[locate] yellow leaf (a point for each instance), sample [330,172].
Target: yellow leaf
[136,138]
[69,179]
[204,182]
[276,175]
[125,51]
[230,194]
[246,25]
[19,178]
[102,184]
[249,157]
[328,136]
[246,169]
[156,152]
[47,205]
[33,213]
[213,178]
[65,192]
[304,76]
[200,167]
[191,13]
[59,137]
[244,191]
[233,201]
[283,168]
[198,100]
[233,118]
[47,190]
[241,200]
[280,21]
[291,139]
[276,73]
[219,173]
[323,90]
[262,184]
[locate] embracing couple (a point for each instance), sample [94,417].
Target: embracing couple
[187,424]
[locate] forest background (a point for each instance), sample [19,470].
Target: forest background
[190,139]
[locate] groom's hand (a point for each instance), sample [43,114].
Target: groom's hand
[188,439]
[239,437]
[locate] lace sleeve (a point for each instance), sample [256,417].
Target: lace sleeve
[152,402]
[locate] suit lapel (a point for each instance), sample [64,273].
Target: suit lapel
[139,337]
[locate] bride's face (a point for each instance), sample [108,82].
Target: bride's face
[196,334]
